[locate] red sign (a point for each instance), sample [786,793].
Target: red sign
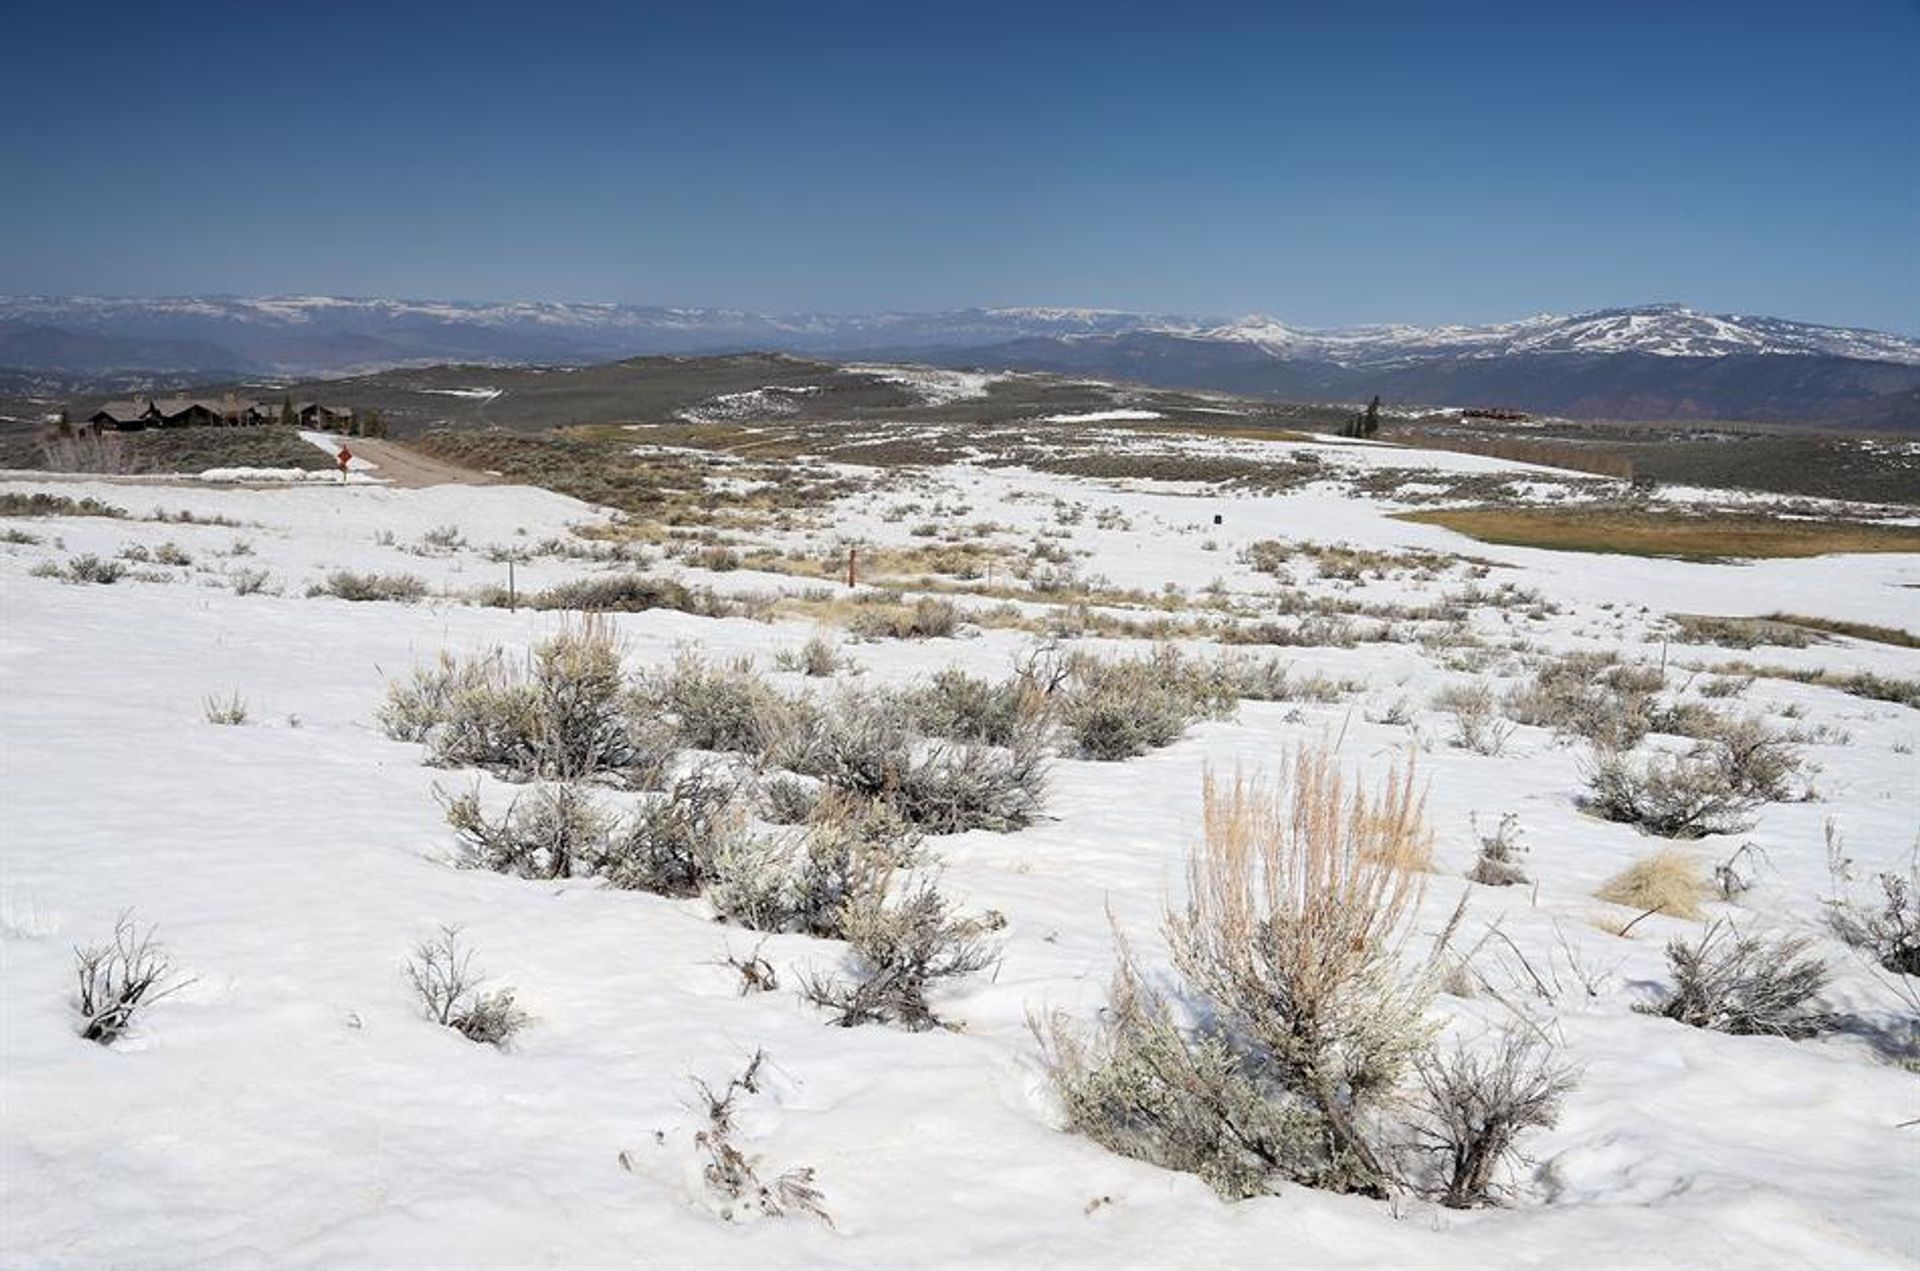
[344,456]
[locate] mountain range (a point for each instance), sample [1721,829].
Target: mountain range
[1646,362]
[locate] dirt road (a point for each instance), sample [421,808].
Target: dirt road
[403,466]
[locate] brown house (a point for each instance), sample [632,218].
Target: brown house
[323,418]
[181,412]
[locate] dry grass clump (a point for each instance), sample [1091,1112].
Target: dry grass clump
[1895,636]
[230,710]
[1666,882]
[1646,531]
[926,618]
[1300,903]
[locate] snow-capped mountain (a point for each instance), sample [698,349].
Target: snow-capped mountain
[1649,361]
[1665,330]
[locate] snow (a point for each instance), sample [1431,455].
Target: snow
[1100,416]
[933,387]
[332,444]
[290,1109]
[470,394]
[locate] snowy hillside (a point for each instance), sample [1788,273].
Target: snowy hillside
[290,1105]
[255,326]
[1659,330]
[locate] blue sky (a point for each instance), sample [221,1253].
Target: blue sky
[1327,163]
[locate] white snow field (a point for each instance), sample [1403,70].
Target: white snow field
[291,1107]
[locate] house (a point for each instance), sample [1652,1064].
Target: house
[181,412]
[125,416]
[324,418]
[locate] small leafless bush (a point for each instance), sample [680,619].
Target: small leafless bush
[91,569]
[1721,686]
[722,707]
[1672,796]
[902,947]
[1886,930]
[1734,876]
[867,746]
[1195,1101]
[1290,946]
[1591,696]
[1498,864]
[1473,1108]
[674,843]
[959,707]
[556,832]
[441,972]
[250,582]
[231,709]
[927,618]
[819,658]
[1734,983]
[731,1173]
[624,593]
[1118,709]
[119,979]
[1477,725]
[560,718]
[345,584]
[788,801]
[1755,761]
[757,975]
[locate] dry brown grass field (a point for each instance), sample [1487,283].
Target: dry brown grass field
[1643,531]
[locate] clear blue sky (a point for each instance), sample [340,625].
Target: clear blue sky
[1325,162]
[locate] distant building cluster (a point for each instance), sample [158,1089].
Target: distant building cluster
[230,412]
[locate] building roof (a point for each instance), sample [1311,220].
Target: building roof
[125,410]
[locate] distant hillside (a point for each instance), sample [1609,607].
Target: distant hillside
[1648,362]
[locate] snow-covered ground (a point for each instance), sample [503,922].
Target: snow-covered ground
[291,1108]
